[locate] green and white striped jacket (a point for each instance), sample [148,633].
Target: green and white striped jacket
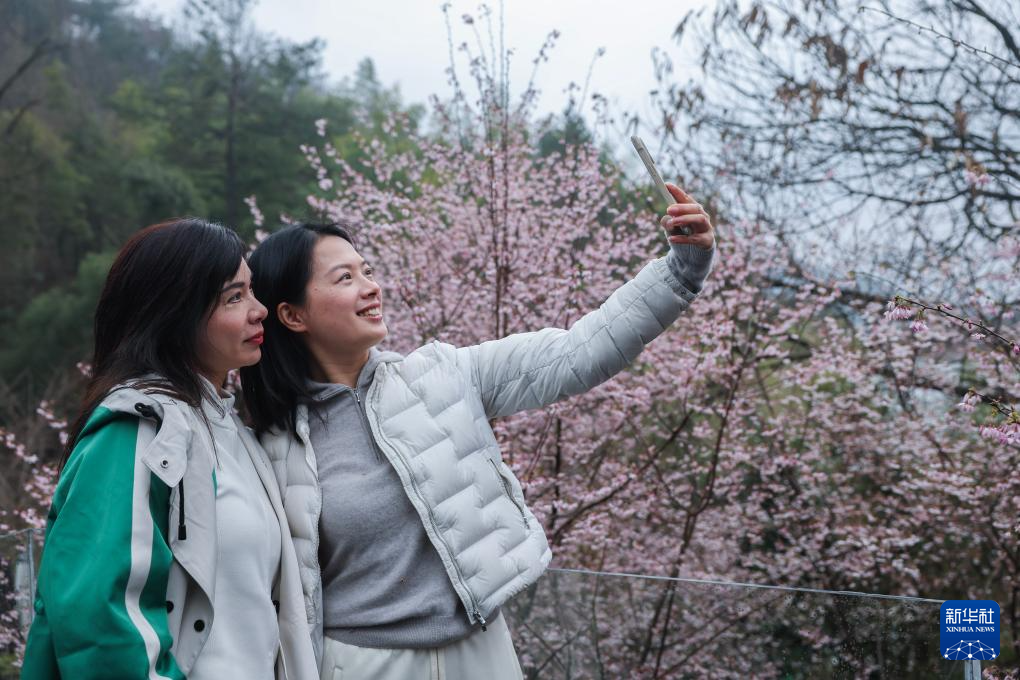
[126,582]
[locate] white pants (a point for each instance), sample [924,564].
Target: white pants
[483,654]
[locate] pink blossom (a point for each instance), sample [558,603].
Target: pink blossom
[320,127]
[896,312]
[1010,245]
[253,208]
[919,326]
[325,184]
[970,401]
[976,179]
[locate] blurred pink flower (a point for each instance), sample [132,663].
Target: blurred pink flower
[897,312]
[976,179]
[253,208]
[969,403]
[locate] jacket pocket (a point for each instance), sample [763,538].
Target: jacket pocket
[508,492]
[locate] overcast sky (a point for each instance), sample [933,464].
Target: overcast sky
[407,40]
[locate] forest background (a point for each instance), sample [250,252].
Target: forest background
[837,411]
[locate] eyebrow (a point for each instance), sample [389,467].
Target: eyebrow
[344,265]
[231,286]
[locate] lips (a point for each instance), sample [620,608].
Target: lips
[257,339]
[371,312]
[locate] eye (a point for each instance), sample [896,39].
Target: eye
[235,297]
[346,276]
[369,272]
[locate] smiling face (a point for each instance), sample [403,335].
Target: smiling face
[232,335]
[342,315]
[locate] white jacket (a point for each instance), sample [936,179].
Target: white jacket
[429,413]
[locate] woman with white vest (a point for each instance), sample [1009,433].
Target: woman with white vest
[410,529]
[168,553]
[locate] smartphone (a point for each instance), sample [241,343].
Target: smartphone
[646,158]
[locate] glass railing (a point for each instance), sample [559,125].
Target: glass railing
[19,558]
[581,624]
[575,624]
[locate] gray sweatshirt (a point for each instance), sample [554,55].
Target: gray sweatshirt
[383,582]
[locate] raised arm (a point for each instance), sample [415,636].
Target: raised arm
[531,370]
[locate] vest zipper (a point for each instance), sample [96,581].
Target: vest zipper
[376,436]
[368,427]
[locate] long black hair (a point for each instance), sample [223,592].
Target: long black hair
[281,267]
[160,291]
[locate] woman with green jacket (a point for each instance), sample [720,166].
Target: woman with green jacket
[168,553]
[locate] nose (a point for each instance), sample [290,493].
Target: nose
[371,288]
[258,312]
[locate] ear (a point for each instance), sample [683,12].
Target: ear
[292,317]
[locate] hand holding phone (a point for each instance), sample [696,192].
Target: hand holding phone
[646,158]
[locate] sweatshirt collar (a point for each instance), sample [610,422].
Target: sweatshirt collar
[323,391]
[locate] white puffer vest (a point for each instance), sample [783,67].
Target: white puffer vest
[429,413]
